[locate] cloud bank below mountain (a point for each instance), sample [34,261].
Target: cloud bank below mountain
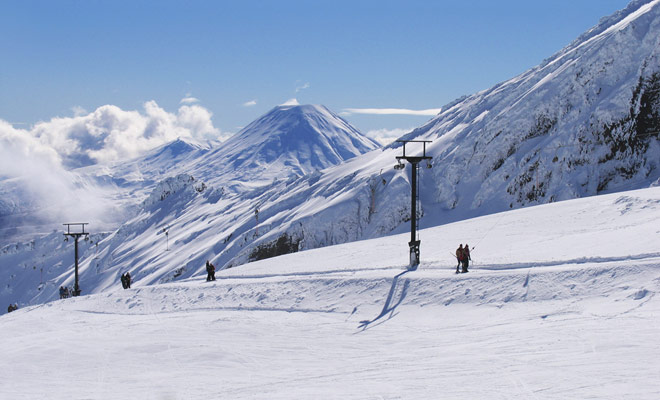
[108,134]
[39,163]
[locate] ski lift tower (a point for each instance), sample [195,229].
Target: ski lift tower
[414,162]
[76,235]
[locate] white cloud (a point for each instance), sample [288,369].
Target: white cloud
[250,103]
[55,193]
[189,100]
[387,136]
[41,157]
[392,111]
[78,111]
[290,102]
[302,87]
[110,134]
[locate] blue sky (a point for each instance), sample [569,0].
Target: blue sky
[238,59]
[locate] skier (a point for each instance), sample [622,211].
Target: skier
[123,280]
[466,257]
[66,292]
[459,257]
[212,271]
[61,292]
[128,280]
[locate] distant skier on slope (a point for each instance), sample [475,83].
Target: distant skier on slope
[466,257]
[210,271]
[459,257]
[128,280]
[123,280]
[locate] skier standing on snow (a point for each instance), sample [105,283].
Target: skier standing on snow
[128,280]
[210,271]
[459,257]
[123,280]
[466,258]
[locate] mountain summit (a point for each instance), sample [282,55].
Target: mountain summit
[297,139]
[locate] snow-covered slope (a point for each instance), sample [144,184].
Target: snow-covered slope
[216,205]
[585,121]
[567,311]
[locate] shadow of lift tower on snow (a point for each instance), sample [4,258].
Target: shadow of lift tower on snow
[414,161]
[394,299]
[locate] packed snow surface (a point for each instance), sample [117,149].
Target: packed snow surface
[560,302]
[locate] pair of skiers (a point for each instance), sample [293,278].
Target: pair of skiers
[126,280]
[12,307]
[210,271]
[64,292]
[463,257]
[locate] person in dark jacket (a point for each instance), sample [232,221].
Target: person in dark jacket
[466,257]
[123,280]
[459,257]
[128,280]
[212,271]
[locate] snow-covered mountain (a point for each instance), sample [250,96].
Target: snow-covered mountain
[582,123]
[586,121]
[188,194]
[288,141]
[131,181]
